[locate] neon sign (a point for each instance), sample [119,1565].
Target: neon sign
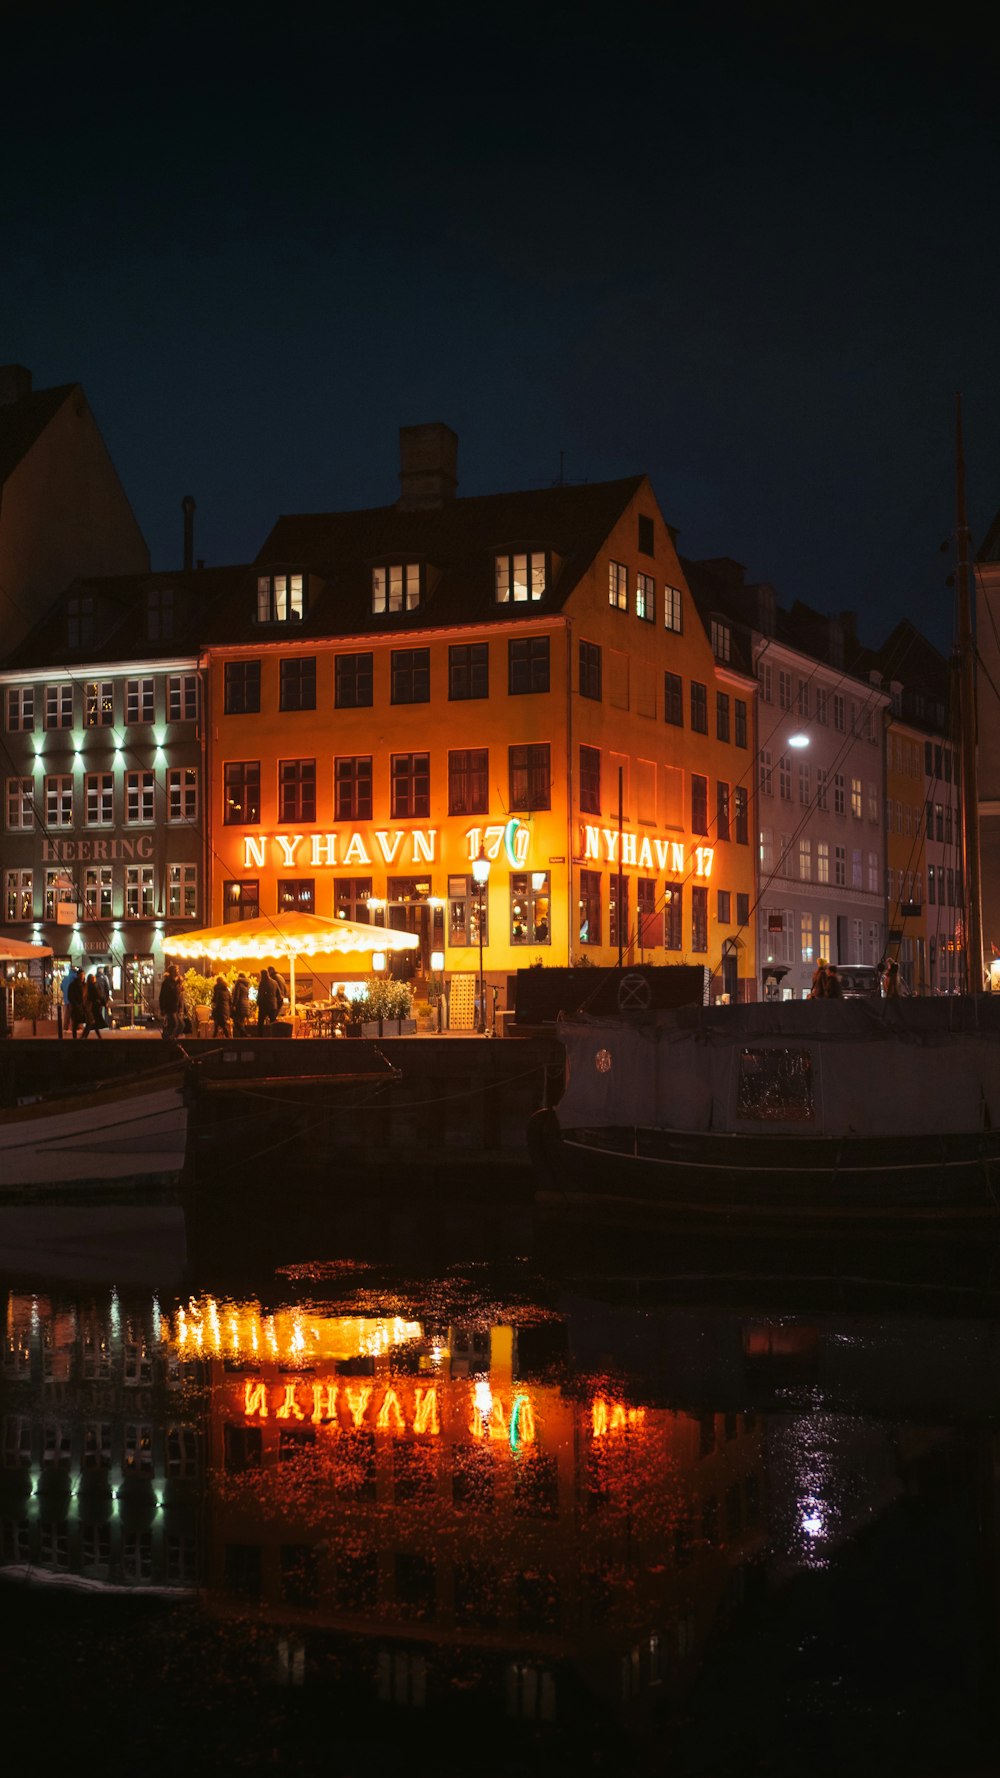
[672,857]
[397,846]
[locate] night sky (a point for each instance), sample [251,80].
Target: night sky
[749,253]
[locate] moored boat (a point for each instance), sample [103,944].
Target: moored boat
[792,1117]
[103,1136]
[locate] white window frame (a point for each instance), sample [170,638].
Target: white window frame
[99,790]
[673,610]
[140,799]
[140,702]
[182,795]
[20,805]
[20,709]
[182,697]
[182,891]
[59,800]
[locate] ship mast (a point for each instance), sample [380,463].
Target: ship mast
[972,891]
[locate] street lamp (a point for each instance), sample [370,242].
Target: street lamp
[481,873]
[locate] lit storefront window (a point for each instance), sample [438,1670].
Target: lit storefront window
[530,908]
[463,912]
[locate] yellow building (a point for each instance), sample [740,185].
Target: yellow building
[403,688]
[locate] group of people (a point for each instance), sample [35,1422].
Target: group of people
[826,981]
[231,1008]
[87,1000]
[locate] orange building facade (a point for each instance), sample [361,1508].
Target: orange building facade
[415,685]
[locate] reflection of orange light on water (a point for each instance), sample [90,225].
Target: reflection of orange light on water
[289,1334]
[613,1416]
[319,1402]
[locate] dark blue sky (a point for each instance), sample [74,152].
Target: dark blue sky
[750,254]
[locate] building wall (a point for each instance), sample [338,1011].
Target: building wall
[988,650]
[63,516]
[906,856]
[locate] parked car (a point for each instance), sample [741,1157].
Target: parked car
[859,980]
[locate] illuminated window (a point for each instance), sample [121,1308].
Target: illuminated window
[856,798]
[20,708]
[410,782]
[241,901]
[699,707]
[241,800]
[722,716]
[527,664]
[182,794]
[59,801]
[464,903]
[468,671]
[520,578]
[822,861]
[396,587]
[530,777]
[699,918]
[590,907]
[352,787]
[468,781]
[280,598]
[530,910]
[411,675]
[673,699]
[18,894]
[138,892]
[182,891]
[672,614]
[590,670]
[805,859]
[618,586]
[645,597]
[100,799]
[350,898]
[139,706]
[139,793]
[296,895]
[20,803]
[590,780]
[98,892]
[298,683]
[353,681]
[98,703]
[242,687]
[182,697]
[59,706]
[296,790]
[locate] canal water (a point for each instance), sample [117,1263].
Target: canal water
[498,1516]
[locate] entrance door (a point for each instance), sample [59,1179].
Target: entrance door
[409,916]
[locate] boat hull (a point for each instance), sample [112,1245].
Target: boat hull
[105,1138]
[714,1182]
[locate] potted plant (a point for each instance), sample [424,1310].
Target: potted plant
[401,1007]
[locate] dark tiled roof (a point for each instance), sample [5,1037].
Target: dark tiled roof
[120,618]
[22,422]
[456,541]
[989,549]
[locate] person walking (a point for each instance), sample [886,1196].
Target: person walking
[76,999]
[104,993]
[834,991]
[222,1007]
[241,1006]
[819,981]
[280,990]
[93,1010]
[890,980]
[170,1001]
[266,1001]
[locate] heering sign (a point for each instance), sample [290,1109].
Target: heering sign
[672,857]
[395,846]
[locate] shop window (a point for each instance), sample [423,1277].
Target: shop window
[242,688]
[352,681]
[468,781]
[139,892]
[351,896]
[468,671]
[465,903]
[297,678]
[241,901]
[410,781]
[352,787]
[590,907]
[530,909]
[296,790]
[19,894]
[241,803]
[527,665]
[296,895]
[530,777]
[674,918]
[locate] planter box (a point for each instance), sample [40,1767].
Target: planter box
[407,1027]
[371,1029]
[390,1027]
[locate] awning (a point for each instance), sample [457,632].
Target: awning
[14,950]
[287,935]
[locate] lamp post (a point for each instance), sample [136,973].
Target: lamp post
[481,873]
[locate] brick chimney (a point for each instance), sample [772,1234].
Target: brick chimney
[15,384]
[428,466]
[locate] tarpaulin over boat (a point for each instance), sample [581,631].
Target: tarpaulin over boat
[823,1068]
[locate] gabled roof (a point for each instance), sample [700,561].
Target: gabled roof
[24,421]
[120,618]
[457,542]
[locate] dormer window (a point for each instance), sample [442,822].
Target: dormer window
[520,578]
[80,621]
[396,587]
[159,613]
[280,598]
[721,640]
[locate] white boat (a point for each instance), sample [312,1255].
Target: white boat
[791,1117]
[110,1135]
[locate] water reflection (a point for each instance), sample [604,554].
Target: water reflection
[578,1517]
